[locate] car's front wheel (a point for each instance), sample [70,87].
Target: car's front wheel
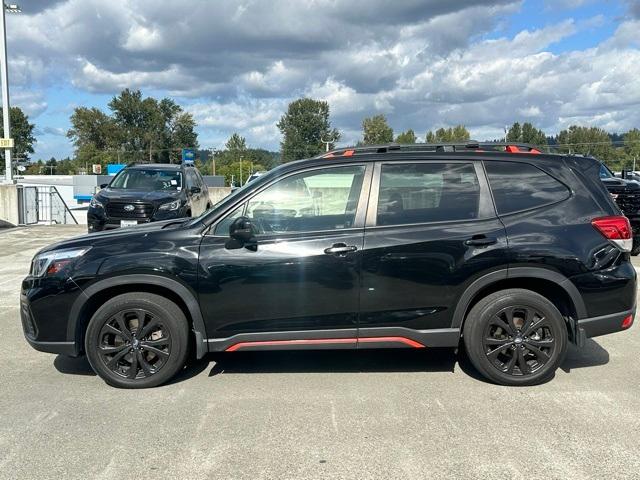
[515,337]
[137,340]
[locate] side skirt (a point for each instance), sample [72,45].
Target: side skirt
[386,337]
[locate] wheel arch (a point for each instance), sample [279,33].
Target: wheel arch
[96,294]
[548,283]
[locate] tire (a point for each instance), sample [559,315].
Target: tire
[114,346]
[635,249]
[511,352]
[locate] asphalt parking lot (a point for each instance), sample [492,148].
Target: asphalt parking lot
[376,414]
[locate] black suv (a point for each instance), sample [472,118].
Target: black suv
[626,193]
[516,253]
[147,193]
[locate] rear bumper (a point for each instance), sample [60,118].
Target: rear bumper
[603,325]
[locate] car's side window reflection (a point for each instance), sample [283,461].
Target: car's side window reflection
[427,192]
[222,228]
[317,200]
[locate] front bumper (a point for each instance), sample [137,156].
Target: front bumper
[98,221]
[44,313]
[605,324]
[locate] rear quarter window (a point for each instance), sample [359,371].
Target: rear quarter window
[522,186]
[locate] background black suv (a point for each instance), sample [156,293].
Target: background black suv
[146,193]
[515,252]
[626,194]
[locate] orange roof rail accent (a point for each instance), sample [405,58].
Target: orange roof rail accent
[348,153]
[516,149]
[328,155]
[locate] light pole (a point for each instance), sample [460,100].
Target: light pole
[5,87]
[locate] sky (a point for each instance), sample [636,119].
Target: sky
[424,64]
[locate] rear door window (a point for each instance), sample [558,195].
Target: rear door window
[427,192]
[521,186]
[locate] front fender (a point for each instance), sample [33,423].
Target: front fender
[187,296]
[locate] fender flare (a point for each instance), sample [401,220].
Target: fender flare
[176,287]
[517,272]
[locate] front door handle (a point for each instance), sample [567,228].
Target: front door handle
[481,241]
[340,248]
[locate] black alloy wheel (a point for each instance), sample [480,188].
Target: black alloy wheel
[134,343]
[137,340]
[515,337]
[518,340]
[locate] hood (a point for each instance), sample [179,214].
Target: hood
[125,195]
[117,233]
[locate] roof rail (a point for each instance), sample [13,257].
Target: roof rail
[470,145]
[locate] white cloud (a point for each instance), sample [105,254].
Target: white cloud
[423,63]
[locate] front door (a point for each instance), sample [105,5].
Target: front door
[304,276]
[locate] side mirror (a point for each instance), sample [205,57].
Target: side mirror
[242,234]
[103,185]
[195,190]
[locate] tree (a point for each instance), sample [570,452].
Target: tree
[304,126]
[526,134]
[406,137]
[22,134]
[632,147]
[459,133]
[238,172]
[137,129]
[236,144]
[376,131]
[182,135]
[591,141]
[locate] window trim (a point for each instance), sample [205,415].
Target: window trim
[361,208]
[486,210]
[570,191]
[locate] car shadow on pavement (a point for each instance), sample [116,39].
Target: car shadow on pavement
[73,365]
[80,366]
[342,361]
[591,355]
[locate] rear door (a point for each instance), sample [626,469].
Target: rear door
[431,230]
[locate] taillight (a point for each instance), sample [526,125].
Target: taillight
[617,229]
[627,322]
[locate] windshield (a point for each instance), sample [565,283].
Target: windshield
[605,172]
[148,179]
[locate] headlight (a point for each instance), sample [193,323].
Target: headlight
[50,263]
[170,206]
[95,203]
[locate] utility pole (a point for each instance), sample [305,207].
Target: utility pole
[4,77]
[240,170]
[213,152]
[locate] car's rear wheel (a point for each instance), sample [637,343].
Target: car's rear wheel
[137,340]
[515,337]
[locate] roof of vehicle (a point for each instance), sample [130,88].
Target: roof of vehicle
[471,146]
[158,166]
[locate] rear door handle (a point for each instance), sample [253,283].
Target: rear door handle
[340,248]
[481,241]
